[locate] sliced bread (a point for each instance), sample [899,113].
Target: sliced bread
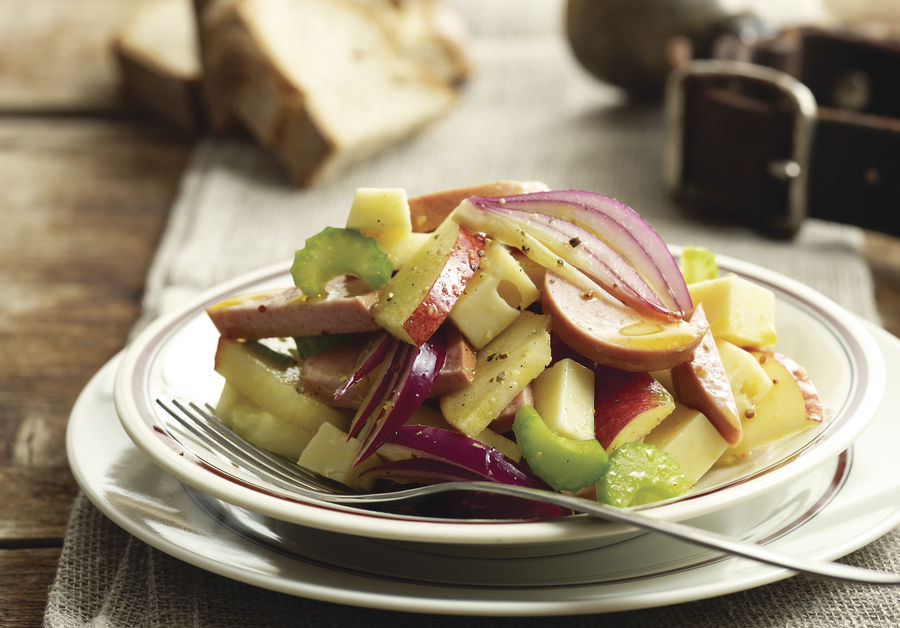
[323,83]
[156,49]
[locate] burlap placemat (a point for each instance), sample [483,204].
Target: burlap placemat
[528,113]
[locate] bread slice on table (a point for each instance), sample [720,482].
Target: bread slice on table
[323,83]
[157,52]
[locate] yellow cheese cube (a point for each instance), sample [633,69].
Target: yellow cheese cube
[380,209]
[383,214]
[332,454]
[738,310]
[688,436]
[564,397]
[400,247]
[494,296]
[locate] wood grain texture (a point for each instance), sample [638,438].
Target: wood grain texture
[84,204]
[25,576]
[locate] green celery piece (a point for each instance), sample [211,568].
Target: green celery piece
[698,264]
[564,463]
[335,252]
[639,474]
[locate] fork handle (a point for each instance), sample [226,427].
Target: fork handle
[690,534]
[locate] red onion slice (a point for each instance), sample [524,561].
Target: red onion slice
[592,256]
[458,449]
[412,375]
[422,470]
[616,223]
[382,380]
[375,354]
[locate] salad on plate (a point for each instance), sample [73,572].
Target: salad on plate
[514,334]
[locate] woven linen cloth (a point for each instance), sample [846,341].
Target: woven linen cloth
[528,113]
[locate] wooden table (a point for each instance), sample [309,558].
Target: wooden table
[85,187]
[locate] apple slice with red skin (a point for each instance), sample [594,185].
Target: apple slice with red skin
[627,405]
[791,406]
[418,298]
[609,332]
[702,383]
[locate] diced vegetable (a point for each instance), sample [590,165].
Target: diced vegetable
[504,367]
[564,463]
[640,474]
[417,300]
[335,252]
[698,264]
[270,380]
[283,434]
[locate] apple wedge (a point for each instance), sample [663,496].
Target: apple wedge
[749,382]
[627,405]
[791,406]
[270,379]
[505,366]
[281,433]
[703,384]
[609,332]
[418,298]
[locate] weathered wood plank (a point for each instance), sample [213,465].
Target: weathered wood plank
[25,576]
[84,204]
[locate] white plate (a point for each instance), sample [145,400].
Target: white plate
[174,358]
[837,507]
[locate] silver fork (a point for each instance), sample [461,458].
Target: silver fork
[292,481]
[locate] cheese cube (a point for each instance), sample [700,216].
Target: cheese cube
[383,214]
[494,297]
[331,453]
[738,310]
[380,209]
[688,436]
[564,397]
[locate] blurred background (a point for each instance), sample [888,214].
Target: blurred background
[104,103]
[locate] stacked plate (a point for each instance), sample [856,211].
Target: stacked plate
[820,495]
